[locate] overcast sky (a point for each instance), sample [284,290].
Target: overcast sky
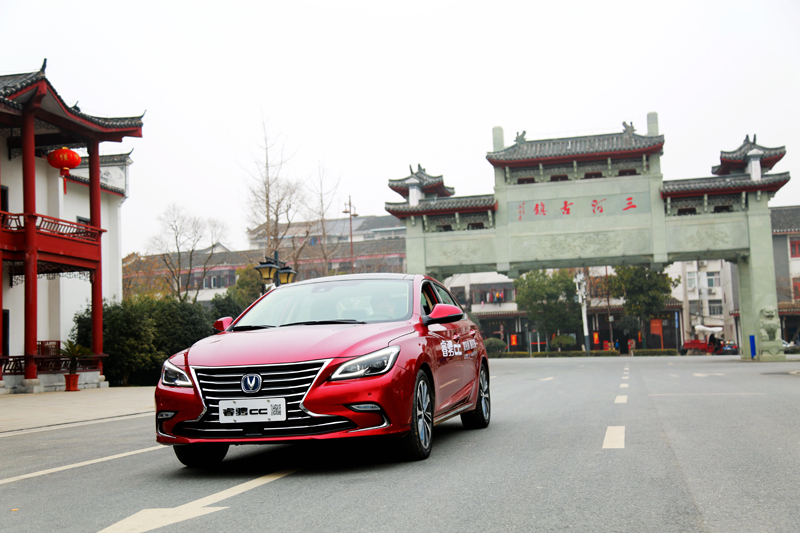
[364,89]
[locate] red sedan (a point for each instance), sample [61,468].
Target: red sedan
[344,356]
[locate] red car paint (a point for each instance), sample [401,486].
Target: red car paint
[451,352]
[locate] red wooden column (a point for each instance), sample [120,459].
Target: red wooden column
[97,282]
[1,296]
[31,246]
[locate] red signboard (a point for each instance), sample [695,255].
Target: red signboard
[513,340]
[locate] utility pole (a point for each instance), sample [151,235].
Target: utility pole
[350,211]
[580,286]
[608,314]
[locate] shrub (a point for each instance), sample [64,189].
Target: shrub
[494,346]
[670,351]
[562,341]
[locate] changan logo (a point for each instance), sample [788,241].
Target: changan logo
[251,383]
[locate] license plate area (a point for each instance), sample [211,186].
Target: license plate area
[256,410]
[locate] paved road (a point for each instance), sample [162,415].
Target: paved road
[691,444]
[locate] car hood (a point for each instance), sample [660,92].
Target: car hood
[293,344]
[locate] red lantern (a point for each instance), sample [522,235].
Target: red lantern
[65,159]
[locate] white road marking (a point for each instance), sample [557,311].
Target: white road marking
[74,424]
[713,394]
[795,372]
[626,368]
[77,465]
[624,377]
[150,519]
[615,437]
[623,386]
[706,375]
[621,399]
[546,379]
[492,377]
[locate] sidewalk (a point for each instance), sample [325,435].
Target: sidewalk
[27,411]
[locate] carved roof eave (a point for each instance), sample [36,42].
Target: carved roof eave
[722,185]
[23,85]
[438,188]
[768,160]
[449,206]
[566,150]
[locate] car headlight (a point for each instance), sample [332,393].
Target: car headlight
[172,376]
[372,364]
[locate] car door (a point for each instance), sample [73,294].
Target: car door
[462,334]
[447,372]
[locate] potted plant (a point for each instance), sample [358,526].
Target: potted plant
[73,351]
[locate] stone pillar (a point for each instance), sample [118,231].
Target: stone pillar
[501,215]
[652,124]
[758,299]
[415,246]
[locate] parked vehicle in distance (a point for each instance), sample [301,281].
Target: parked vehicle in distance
[346,356]
[711,344]
[730,348]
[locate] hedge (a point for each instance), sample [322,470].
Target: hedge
[593,353]
[643,353]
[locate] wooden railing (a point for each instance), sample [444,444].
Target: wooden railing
[47,364]
[65,228]
[11,221]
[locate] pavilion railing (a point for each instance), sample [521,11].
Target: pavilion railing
[11,221]
[65,228]
[47,364]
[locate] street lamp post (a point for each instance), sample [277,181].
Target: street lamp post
[350,211]
[580,285]
[273,270]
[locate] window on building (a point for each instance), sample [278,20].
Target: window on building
[445,227]
[205,283]
[592,175]
[715,307]
[214,283]
[796,285]
[713,279]
[691,280]
[559,177]
[794,243]
[695,307]
[722,209]
[83,220]
[475,225]
[687,211]
[628,172]
[526,181]
[4,200]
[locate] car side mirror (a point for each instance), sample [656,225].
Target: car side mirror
[443,314]
[222,324]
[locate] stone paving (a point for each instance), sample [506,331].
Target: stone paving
[27,411]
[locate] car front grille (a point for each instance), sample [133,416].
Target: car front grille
[290,381]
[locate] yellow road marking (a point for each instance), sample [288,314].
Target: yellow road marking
[615,437]
[77,465]
[150,519]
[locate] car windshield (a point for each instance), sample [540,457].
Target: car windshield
[351,301]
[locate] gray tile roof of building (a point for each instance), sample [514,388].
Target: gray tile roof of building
[785,219]
[13,83]
[524,150]
[110,159]
[453,203]
[421,178]
[723,184]
[103,186]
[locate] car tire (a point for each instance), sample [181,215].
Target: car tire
[417,443]
[480,417]
[200,455]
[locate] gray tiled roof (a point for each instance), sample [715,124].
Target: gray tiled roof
[785,219]
[422,179]
[724,184]
[576,146]
[737,158]
[104,186]
[110,159]
[434,205]
[13,83]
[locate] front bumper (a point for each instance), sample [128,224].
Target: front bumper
[326,412]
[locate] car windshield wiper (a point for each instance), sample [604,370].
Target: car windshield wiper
[250,327]
[315,322]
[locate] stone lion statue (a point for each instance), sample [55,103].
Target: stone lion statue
[769,324]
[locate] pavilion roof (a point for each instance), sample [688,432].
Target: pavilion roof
[443,206]
[423,180]
[737,159]
[722,185]
[626,144]
[18,89]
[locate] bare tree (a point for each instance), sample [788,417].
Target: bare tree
[180,245]
[323,194]
[143,275]
[273,202]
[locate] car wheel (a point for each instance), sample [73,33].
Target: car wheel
[200,455]
[417,443]
[480,417]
